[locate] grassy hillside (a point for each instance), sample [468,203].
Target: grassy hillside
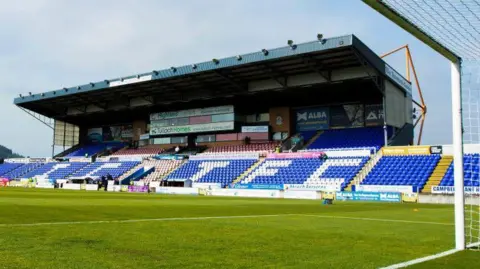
[8,153]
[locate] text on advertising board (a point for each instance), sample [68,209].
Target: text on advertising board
[312,119]
[395,76]
[197,128]
[369,196]
[414,150]
[451,189]
[383,188]
[436,149]
[258,186]
[191,113]
[374,115]
[254,129]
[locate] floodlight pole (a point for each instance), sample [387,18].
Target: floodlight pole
[457,127]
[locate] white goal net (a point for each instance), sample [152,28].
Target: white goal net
[471,135]
[452,28]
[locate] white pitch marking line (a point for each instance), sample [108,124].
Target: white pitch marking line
[136,220]
[420,260]
[379,220]
[216,217]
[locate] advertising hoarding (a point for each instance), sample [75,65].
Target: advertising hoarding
[347,116]
[197,128]
[374,115]
[191,113]
[312,119]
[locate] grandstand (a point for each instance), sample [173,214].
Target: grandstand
[326,119]
[234,113]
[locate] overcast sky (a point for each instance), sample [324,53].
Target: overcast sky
[50,44]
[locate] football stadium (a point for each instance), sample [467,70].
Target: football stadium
[302,156]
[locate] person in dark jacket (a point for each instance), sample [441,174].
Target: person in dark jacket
[105,183]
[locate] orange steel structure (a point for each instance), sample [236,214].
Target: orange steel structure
[409,66]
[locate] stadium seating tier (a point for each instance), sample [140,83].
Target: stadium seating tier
[402,170]
[470,172]
[209,171]
[334,172]
[349,138]
[98,169]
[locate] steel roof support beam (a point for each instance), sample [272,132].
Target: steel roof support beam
[50,123]
[201,82]
[231,81]
[367,66]
[102,106]
[275,75]
[316,67]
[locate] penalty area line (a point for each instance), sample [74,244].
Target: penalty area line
[429,258]
[138,220]
[421,260]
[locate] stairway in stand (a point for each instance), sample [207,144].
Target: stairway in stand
[438,173]
[365,170]
[129,172]
[313,139]
[244,174]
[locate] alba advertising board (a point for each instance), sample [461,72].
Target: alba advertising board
[312,119]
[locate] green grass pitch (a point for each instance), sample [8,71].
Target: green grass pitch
[156,231]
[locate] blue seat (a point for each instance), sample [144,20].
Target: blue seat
[402,170]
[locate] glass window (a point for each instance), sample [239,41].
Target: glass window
[223,117]
[161,141]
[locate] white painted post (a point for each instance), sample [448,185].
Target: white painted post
[457,127]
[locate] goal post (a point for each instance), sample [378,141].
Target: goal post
[458,176]
[451,28]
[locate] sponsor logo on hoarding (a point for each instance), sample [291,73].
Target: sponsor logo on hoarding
[294,155]
[385,188]
[137,188]
[258,186]
[314,115]
[451,189]
[197,128]
[410,197]
[374,115]
[389,197]
[369,196]
[312,119]
[192,113]
[298,187]
[226,156]
[436,149]
[413,150]
[254,129]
